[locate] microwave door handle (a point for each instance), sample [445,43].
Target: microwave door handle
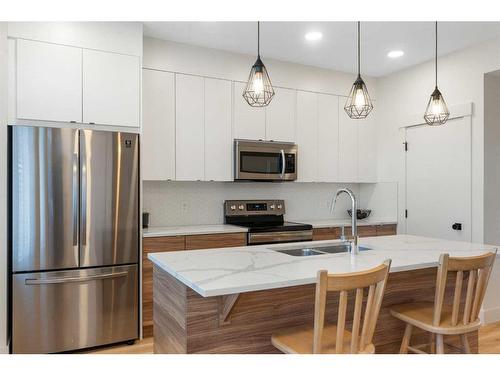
[282,164]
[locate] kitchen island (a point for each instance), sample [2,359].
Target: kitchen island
[231,300]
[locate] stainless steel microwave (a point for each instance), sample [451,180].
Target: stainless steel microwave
[265,161]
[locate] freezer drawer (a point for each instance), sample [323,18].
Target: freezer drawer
[68,310]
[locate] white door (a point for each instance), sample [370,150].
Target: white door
[307,136]
[328,138]
[49,82]
[158,125]
[218,132]
[249,122]
[280,116]
[367,149]
[189,128]
[438,180]
[111,89]
[348,146]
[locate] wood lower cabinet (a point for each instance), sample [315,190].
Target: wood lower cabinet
[210,241]
[176,243]
[334,233]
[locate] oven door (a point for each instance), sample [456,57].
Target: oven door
[271,161]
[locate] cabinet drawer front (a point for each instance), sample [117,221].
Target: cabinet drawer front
[159,244]
[386,230]
[320,234]
[210,241]
[367,231]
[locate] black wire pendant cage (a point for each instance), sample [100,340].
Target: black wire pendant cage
[437,112]
[358,104]
[258,90]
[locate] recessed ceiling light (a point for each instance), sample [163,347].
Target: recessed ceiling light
[313,36]
[395,54]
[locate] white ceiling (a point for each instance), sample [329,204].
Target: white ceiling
[337,50]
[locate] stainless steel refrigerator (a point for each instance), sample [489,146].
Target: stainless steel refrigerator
[74,238]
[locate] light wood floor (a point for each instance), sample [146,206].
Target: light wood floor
[489,343]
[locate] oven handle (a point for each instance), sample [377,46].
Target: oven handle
[303,235]
[282,164]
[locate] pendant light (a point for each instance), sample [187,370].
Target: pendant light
[437,112]
[358,104]
[258,90]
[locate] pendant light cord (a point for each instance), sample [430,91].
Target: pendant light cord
[359,50]
[258,38]
[436,56]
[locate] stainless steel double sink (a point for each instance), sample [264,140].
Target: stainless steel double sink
[304,250]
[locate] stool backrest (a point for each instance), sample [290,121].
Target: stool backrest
[477,270]
[375,281]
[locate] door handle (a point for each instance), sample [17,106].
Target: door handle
[64,280]
[83,190]
[75,199]
[282,164]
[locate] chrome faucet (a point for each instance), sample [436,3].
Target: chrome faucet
[354,208]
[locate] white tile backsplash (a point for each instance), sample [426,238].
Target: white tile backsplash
[192,203]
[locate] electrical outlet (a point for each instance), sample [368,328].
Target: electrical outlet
[184,207]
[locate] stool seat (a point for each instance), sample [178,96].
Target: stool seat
[420,314]
[299,340]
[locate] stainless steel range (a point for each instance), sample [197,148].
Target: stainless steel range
[265,221]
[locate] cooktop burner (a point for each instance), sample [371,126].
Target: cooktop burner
[275,227]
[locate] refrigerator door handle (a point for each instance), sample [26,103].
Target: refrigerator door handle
[83,189]
[75,199]
[64,280]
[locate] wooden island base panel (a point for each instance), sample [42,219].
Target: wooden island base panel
[186,322]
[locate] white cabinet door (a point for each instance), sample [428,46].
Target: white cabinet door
[280,116]
[111,89]
[367,149]
[49,82]
[328,138]
[348,146]
[307,136]
[249,122]
[218,134]
[189,128]
[158,125]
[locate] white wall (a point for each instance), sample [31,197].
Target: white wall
[403,95]
[177,57]
[3,187]
[192,203]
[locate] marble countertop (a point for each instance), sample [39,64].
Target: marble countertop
[217,272]
[187,230]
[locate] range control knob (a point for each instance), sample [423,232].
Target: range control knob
[241,207]
[232,207]
[280,206]
[272,207]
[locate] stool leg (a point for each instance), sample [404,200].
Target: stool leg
[406,339]
[432,343]
[439,344]
[465,344]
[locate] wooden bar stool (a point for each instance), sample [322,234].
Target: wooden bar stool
[335,338]
[439,319]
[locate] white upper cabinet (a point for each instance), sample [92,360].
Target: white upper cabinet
[190,129]
[158,125]
[328,138]
[367,149]
[49,82]
[249,122]
[307,136]
[218,133]
[111,89]
[280,116]
[348,146]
